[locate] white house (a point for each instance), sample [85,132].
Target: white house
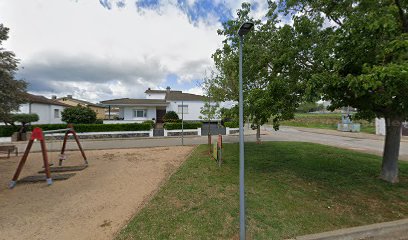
[156,103]
[48,111]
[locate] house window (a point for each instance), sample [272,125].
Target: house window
[56,113]
[139,113]
[182,109]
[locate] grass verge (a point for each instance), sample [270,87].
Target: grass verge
[325,121]
[291,189]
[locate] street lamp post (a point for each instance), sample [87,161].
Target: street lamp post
[182,122]
[244,29]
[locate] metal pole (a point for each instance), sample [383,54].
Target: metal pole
[182,122]
[241,150]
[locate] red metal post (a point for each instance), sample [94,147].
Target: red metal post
[79,146]
[219,141]
[22,162]
[64,142]
[45,159]
[37,134]
[63,146]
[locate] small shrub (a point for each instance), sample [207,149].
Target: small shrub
[24,118]
[78,115]
[170,116]
[151,122]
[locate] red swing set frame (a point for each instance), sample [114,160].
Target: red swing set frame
[38,135]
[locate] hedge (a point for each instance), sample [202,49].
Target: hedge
[151,122]
[186,125]
[7,131]
[231,124]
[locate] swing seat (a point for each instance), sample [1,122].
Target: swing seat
[66,169]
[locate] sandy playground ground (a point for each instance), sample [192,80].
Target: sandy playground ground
[94,204]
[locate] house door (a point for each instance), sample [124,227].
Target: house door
[159,115]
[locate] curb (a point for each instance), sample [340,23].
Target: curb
[387,230]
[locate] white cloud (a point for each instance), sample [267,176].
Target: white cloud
[195,90]
[79,47]
[59,39]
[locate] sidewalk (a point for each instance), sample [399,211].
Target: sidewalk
[395,230]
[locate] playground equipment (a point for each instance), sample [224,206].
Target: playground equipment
[38,135]
[217,150]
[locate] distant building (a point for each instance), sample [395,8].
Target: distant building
[69,100]
[48,110]
[156,103]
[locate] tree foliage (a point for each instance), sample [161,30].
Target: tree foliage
[209,111]
[364,59]
[24,118]
[309,107]
[11,90]
[273,86]
[351,52]
[229,114]
[78,115]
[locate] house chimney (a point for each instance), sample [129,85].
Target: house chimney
[69,96]
[149,89]
[168,89]
[53,97]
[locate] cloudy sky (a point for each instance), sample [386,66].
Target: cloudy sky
[105,49]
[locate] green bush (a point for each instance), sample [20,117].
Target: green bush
[151,122]
[47,127]
[112,127]
[24,118]
[186,125]
[170,116]
[79,115]
[7,131]
[231,124]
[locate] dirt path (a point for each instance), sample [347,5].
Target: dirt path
[94,204]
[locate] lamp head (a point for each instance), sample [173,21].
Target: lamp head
[245,28]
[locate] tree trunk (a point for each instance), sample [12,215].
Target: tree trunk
[389,169]
[258,134]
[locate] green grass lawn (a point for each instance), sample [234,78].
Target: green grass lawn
[292,189]
[325,121]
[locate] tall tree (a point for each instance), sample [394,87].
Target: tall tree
[270,90]
[11,90]
[364,62]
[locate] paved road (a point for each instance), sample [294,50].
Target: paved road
[372,144]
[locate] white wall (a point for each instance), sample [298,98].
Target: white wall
[24,108]
[194,108]
[45,112]
[121,113]
[155,96]
[128,113]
